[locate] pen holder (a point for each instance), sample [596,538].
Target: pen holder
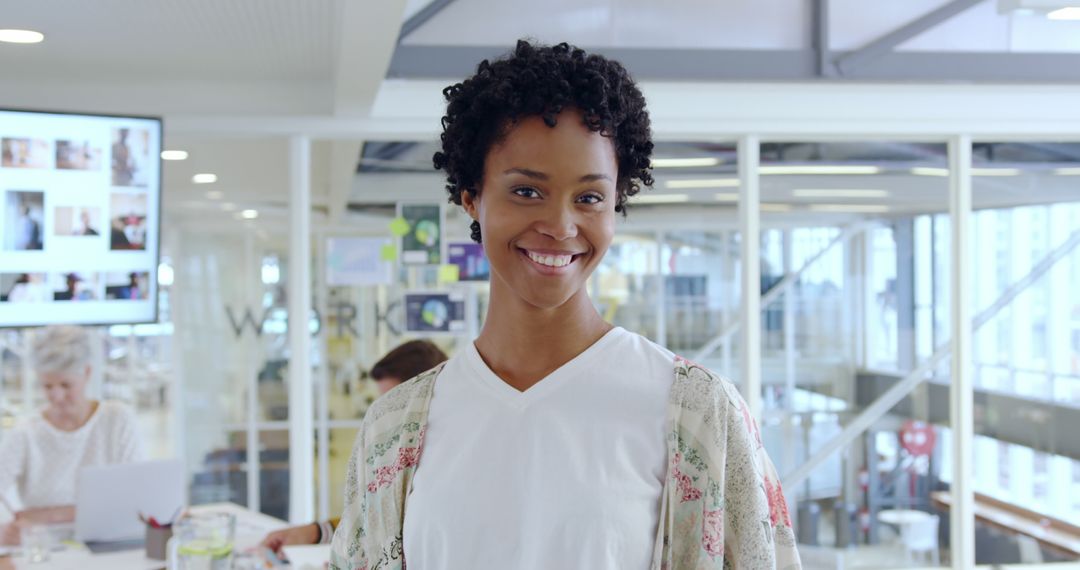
[156,540]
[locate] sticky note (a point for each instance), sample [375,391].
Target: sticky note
[388,252]
[399,226]
[449,273]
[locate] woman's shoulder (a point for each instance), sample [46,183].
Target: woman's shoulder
[23,428]
[643,345]
[698,387]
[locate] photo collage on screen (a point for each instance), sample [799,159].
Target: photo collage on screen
[76,212]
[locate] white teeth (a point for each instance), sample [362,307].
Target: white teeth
[551,260]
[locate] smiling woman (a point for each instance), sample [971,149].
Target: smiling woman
[547,212]
[557,440]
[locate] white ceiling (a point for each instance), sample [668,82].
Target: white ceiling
[281,40]
[235,78]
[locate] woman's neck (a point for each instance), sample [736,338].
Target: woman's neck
[522,344]
[73,419]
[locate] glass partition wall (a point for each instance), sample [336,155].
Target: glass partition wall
[1025,261]
[845,391]
[855,260]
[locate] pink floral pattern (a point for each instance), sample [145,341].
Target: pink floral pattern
[712,532]
[751,425]
[684,484]
[778,511]
[407,457]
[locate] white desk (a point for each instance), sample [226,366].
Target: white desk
[251,527]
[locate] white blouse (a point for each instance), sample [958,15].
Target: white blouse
[43,462]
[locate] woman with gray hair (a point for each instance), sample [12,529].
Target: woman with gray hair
[41,457]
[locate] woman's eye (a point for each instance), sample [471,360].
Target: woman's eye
[591,199]
[527,192]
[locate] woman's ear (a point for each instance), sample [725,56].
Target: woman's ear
[470,201]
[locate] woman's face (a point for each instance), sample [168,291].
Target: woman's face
[546,208]
[65,391]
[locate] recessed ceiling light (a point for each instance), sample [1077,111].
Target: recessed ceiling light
[726,197]
[215,194]
[995,171]
[1070,13]
[21,36]
[661,198]
[1067,171]
[770,207]
[204,178]
[851,208]
[174,155]
[705,183]
[929,171]
[838,193]
[249,214]
[684,162]
[228,206]
[819,169]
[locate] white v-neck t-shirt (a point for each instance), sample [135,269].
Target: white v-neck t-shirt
[567,474]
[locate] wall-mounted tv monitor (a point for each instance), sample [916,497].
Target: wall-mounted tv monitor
[80,218]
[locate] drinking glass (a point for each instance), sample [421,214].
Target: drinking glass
[205,541]
[37,540]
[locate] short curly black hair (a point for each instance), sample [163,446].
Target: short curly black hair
[543,80]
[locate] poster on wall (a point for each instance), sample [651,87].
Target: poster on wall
[80,210]
[358,261]
[470,259]
[422,245]
[435,312]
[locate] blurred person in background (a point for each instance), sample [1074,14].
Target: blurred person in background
[406,361]
[27,231]
[86,226]
[41,456]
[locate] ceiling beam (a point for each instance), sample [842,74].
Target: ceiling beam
[705,65]
[850,62]
[1025,68]
[456,62]
[367,36]
[712,111]
[344,156]
[819,32]
[422,17]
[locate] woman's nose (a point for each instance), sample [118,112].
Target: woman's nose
[558,222]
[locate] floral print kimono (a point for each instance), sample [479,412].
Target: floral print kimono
[721,505]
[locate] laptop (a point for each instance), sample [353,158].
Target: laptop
[109,499]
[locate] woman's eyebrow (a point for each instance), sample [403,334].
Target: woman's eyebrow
[541,176]
[526,172]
